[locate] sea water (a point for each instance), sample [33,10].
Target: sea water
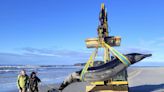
[49,74]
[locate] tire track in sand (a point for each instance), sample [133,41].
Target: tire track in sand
[134,74]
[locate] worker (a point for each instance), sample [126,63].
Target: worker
[22,81]
[33,82]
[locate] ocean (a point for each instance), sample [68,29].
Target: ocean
[49,74]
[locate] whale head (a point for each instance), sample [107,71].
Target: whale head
[136,57]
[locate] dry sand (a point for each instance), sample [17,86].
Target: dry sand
[146,79]
[141,79]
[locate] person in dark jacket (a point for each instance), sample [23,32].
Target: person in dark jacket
[33,82]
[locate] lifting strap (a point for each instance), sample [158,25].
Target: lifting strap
[120,56]
[89,62]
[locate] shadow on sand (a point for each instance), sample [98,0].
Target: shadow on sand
[146,88]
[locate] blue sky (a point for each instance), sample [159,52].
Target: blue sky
[53,31]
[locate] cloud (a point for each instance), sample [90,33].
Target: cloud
[155,45]
[29,55]
[161,38]
[77,55]
[134,50]
[10,58]
[160,44]
[44,56]
[56,53]
[156,42]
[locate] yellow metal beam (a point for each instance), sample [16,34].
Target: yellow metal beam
[98,83]
[110,83]
[116,86]
[118,82]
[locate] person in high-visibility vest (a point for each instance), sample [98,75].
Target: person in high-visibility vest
[22,81]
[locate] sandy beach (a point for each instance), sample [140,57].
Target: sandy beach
[146,79]
[141,79]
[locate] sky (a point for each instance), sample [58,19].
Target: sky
[54,31]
